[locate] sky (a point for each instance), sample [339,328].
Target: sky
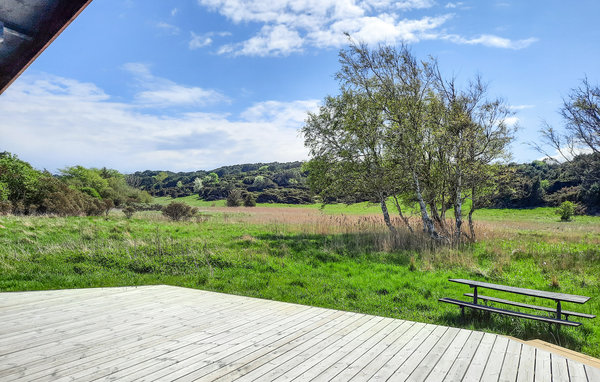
[185,85]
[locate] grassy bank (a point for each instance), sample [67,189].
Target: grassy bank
[305,256]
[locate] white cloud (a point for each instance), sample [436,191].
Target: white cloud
[457,5]
[289,26]
[566,154]
[198,41]
[174,12]
[168,28]
[289,114]
[55,122]
[272,40]
[511,121]
[160,92]
[521,107]
[491,41]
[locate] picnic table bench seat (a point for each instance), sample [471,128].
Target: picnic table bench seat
[556,297]
[566,313]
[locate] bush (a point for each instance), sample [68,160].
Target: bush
[234,199]
[5,207]
[566,210]
[177,211]
[129,211]
[108,205]
[249,200]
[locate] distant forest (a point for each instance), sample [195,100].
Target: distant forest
[528,185]
[268,182]
[77,190]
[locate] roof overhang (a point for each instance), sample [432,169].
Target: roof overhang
[27,27]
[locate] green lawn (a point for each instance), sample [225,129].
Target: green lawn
[541,214]
[353,270]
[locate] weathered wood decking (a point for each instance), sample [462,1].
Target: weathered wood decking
[168,333]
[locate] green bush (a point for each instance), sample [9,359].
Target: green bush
[178,211]
[129,211]
[249,200]
[234,198]
[5,207]
[566,210]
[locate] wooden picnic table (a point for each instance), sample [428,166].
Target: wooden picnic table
[557,297]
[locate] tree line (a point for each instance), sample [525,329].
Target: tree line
[74,191]
[263,182]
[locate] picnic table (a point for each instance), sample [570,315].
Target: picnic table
[556,297]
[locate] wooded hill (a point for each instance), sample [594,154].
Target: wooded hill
[268,182]
[527,185]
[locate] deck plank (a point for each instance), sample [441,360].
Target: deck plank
[438,373]
[559,368]
[543,366]
[510,366]
[480,359]
[526,372]
[492,370]
[576,371]
[432,358]
[463,360]
[592,373]
[166,333]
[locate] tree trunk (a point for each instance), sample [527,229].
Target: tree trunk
[427,222]
[458,210]
[386,216]
[471,225]
[436,217]
[404,218]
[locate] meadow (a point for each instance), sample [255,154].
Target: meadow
[338,257]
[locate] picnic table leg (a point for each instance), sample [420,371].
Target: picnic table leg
[558,310]
[475,295]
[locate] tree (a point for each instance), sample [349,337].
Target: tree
[210,180]
[249,200]
[401,87]
[85,179]
[399,129]
[234,198]
[18,179]
[581,114]
[197,185]
[474,134]
[346,139]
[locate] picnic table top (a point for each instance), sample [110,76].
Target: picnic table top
[524,291]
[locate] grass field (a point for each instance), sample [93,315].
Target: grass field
[339,257]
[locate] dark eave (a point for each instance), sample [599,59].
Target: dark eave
[27,27]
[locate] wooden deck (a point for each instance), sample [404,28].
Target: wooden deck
[167,333]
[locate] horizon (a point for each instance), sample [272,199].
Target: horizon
[193,85]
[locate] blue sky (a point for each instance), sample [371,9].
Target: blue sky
[195,84]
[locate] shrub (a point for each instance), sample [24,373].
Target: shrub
[129,211]
[249,200]
[234,199]
[566,210]
[108,205]
[177,211]
[5,207]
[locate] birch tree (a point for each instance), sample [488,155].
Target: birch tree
[396,83]
[346,140]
